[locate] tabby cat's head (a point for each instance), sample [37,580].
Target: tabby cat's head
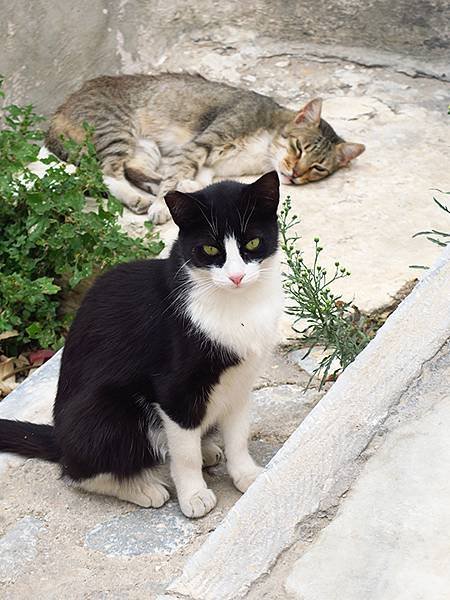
[228,232]
[314,150]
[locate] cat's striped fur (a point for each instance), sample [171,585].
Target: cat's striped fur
[157,133]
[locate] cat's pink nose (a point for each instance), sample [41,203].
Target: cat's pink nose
[236,278]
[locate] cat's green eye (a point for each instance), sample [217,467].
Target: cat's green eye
[252,244]
[210,250]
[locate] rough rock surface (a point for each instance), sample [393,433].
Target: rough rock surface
[390,535]
[48,49]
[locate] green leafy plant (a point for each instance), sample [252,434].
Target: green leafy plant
[49,242]
[441,238]
[320,317]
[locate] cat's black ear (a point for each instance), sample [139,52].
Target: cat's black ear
[183,208]
[265,192]
[310,113]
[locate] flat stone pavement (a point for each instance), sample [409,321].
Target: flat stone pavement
[56,540]
[390,536]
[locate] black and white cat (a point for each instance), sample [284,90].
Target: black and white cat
[162,351]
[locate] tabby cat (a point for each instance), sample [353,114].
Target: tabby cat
[163,350]
[158,133]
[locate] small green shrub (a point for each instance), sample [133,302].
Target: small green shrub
[330,322]
[441,238]
[49,242]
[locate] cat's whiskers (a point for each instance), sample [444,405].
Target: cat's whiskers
[200,287]
[180,291]
[182,267]
[249,217]
[211,224]
[242,217]
[179,288]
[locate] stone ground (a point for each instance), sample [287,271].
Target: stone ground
[53,537]
[389,538]
[56,541]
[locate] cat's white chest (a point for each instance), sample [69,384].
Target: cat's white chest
[233,389]
[249,156]
[247,323]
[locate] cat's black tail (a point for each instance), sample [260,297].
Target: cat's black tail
[29,439]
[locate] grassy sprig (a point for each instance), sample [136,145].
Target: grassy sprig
[321,317]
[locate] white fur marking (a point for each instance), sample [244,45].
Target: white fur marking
[186,462]
[228,405]
[146,489]
[244,319]
[251,156]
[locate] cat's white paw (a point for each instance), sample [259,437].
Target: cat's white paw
[242,481]
[147,495]
[188,186]
[199,504]
[212,454]
[158,213]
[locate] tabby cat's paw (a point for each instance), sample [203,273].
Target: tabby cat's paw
[158,213]
[199,504]
[242,481]
[212,454]
[188,186]
[138,204]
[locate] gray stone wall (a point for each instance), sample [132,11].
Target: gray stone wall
[48,48]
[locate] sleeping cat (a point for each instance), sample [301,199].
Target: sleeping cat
[158,133]
[162,351]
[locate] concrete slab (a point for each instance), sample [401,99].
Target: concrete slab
[18,547]
[391,536]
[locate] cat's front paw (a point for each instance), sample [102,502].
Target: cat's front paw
[188,186]
[158,213]
[199,504]
[242,481]
[138,204]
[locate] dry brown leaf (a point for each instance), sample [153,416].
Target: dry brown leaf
[7,388]
[21,361]
[6,368]
[8,334]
